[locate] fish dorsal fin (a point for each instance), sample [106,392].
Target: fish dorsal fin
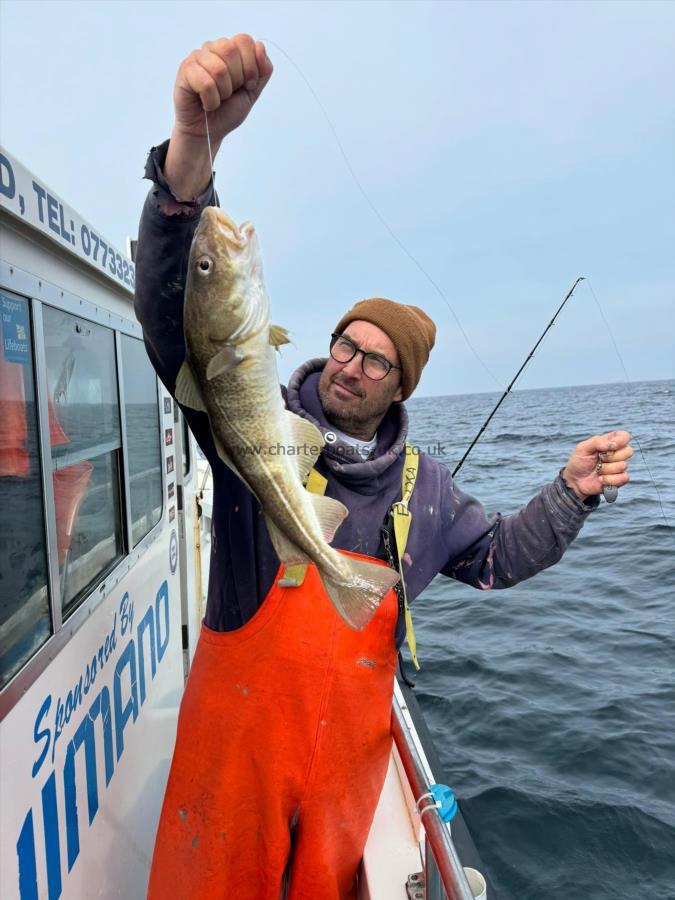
[187,390]
[307,443]
[278,336]
[286,550]
[223,361]
[330,513]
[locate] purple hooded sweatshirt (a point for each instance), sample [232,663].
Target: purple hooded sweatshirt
[451,533]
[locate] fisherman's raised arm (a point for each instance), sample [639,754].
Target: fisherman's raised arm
[508,549]
[226,77]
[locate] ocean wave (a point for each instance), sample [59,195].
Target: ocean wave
[567,847]
[519,437]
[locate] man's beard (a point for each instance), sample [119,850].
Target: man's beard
[350,417]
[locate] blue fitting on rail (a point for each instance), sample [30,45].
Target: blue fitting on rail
[445,801]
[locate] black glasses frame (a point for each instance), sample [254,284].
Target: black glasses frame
[364,355]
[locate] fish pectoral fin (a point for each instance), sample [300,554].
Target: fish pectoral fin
[285,549]
[223,361]
[330,513]
[188,392]
[357,600]
[307,442]
[278,336]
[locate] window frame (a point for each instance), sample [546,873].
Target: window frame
[39,293]
[91,452]
[44,516]
[126,475]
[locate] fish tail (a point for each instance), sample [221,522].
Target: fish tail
[357,597]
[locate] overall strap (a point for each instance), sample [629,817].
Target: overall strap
[402,519]
[295,575]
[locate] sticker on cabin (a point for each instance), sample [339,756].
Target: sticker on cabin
[167,406]
[173,552]
[15,330]
[172,489]
[169,464]
[172,513]
[168,436]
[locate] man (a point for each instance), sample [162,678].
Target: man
[284,730]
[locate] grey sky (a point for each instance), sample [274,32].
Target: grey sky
[510,147]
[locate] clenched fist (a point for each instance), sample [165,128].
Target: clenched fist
[600,460]
[223,78]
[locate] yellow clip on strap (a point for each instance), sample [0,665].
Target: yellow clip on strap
[402,520]
[316,484]
[295,575]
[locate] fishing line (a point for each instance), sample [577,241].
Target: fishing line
[608,491]
[380,217]
[208,141]
[629,385]
[438,289]
[410,256]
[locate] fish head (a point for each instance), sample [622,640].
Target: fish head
[225,297]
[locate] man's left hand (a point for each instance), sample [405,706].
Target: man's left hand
[600,460]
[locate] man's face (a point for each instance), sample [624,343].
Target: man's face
[353,402]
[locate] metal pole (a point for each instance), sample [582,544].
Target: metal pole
[437,835]
[433,886]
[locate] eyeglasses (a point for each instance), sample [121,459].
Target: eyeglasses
[376,367]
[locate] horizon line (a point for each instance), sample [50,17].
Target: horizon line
[559,387]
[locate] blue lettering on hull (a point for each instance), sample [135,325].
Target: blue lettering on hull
[129,692]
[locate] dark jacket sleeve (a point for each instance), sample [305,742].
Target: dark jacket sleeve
[499,551]
[164,238]
[243,561]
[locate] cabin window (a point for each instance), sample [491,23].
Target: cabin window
[25,620]
[85,444]
[144,458]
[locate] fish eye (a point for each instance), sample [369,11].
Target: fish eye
[205,265]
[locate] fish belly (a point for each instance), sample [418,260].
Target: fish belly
[249,420]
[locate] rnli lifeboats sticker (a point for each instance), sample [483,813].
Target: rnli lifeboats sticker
[173,552]
[169,465]
[167,406]
[14,330]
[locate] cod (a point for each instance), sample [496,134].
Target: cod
[230,373]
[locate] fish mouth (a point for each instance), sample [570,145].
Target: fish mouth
[217,223]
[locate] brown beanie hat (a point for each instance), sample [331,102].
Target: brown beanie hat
[411,331]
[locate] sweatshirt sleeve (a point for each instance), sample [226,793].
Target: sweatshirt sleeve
[164,237]
[499,551]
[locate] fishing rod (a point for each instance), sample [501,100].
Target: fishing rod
[610,492]
[515,378]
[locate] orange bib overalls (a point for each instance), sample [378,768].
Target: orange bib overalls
[283,743]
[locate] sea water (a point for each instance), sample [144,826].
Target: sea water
[552,703]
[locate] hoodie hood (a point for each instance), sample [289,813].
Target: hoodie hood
[302,398]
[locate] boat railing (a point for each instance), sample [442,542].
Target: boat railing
[444,875]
